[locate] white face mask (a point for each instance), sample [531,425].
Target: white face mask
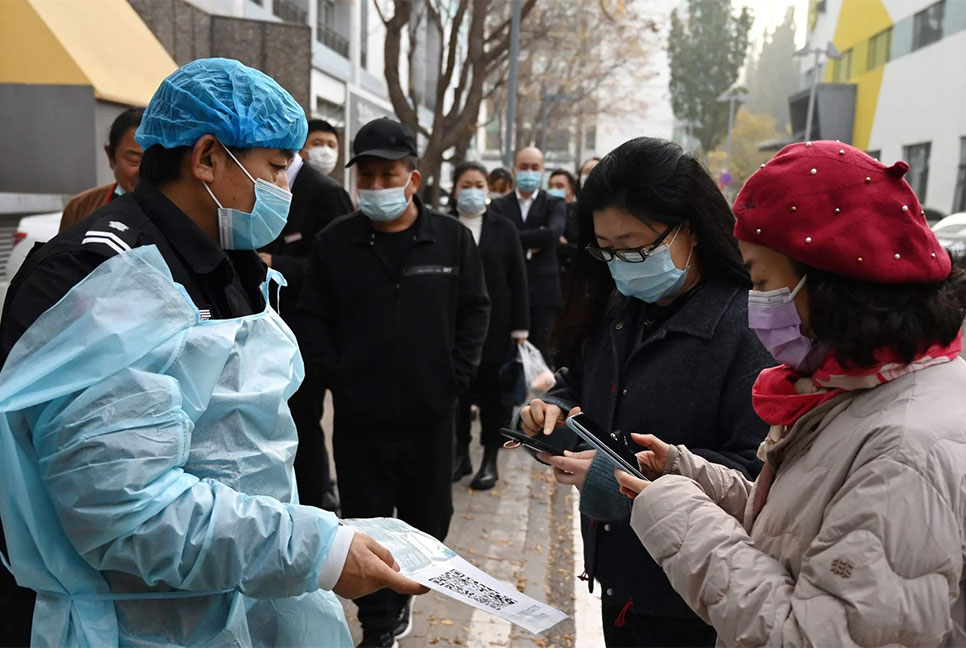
[323,157]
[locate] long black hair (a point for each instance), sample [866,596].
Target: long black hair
[461,168]
[656,180]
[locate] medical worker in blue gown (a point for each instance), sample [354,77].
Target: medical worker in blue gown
[146,448]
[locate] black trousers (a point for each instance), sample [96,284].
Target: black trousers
[401,468]
[633,630]
[486,393]
[312,470]
[17,604]
[542,320]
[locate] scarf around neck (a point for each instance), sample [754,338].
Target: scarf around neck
[781,396]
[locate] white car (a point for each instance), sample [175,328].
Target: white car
[951,232]
[38,228]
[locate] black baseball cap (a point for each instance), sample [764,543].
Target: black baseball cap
[383,138]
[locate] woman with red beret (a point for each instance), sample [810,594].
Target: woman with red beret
[854,532]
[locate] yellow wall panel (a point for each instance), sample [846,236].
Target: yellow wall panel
[111,44]
[867,99]
[30,52]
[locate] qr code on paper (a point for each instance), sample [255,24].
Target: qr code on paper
[456,581]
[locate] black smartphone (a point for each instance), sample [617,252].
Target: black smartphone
[614,445]
[534,443]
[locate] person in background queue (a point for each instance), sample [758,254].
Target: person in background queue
[853,532]
[317,200]
[585,170]
[658,343]
[146,483]
[501,182]
[123,156]
[562,184]
[321,146]
[540,220]
[393,314]
[506,283]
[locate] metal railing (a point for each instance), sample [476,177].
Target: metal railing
[333,40]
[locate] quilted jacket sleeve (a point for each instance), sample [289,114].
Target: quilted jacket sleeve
[883,568]
[727,487]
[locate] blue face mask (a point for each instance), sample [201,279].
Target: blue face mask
[471,201]
[559,193]
[384,205]
[651,280]
[240,230]
[529,181]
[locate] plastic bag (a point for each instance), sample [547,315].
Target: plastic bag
[536,373]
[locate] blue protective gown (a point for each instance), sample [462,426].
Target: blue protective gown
[146,471]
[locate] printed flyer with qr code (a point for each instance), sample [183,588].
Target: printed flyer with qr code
[431,563]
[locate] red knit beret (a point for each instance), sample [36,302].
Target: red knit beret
[833,207]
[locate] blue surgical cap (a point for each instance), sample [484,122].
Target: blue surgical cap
[239,105]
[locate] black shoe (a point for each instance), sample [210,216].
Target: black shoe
[462,466]
[487,475]
[404,622]
[381,639]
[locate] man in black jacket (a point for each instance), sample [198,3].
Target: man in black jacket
[394,313]
[540,219]
[317,200]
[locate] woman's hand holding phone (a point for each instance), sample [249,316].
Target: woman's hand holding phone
[652,462]
[538,416]
[570,469]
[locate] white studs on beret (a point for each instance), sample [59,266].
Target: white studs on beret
[841,151]
[837,210]
[897,257]
[808,239]
[762,166]
[793,208]
[933,255]
[758,231]
[905,208]
[868,179]
[814,171]
[808,143]
[859,260]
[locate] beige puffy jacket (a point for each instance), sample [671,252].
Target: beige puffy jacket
[861,541]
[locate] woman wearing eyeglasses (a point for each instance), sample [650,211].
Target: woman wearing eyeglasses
[658,318]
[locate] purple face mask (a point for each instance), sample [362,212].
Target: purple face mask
[773,317]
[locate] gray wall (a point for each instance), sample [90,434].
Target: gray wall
[48,134]
[282,51]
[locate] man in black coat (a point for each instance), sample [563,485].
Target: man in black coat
[540,219]
[317,200]
[393,313]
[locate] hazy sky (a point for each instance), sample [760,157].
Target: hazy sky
[769,13]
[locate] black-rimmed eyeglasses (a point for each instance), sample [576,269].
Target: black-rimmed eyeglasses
[631,255]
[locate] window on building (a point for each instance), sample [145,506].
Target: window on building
[917,155]
[959,200]
[590,137]
[928,25]
[292,11]
[877,154]
[842,68]
[331,23]
[880,46]
[364,34]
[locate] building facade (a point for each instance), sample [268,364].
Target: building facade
[345,59]
[905,61]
